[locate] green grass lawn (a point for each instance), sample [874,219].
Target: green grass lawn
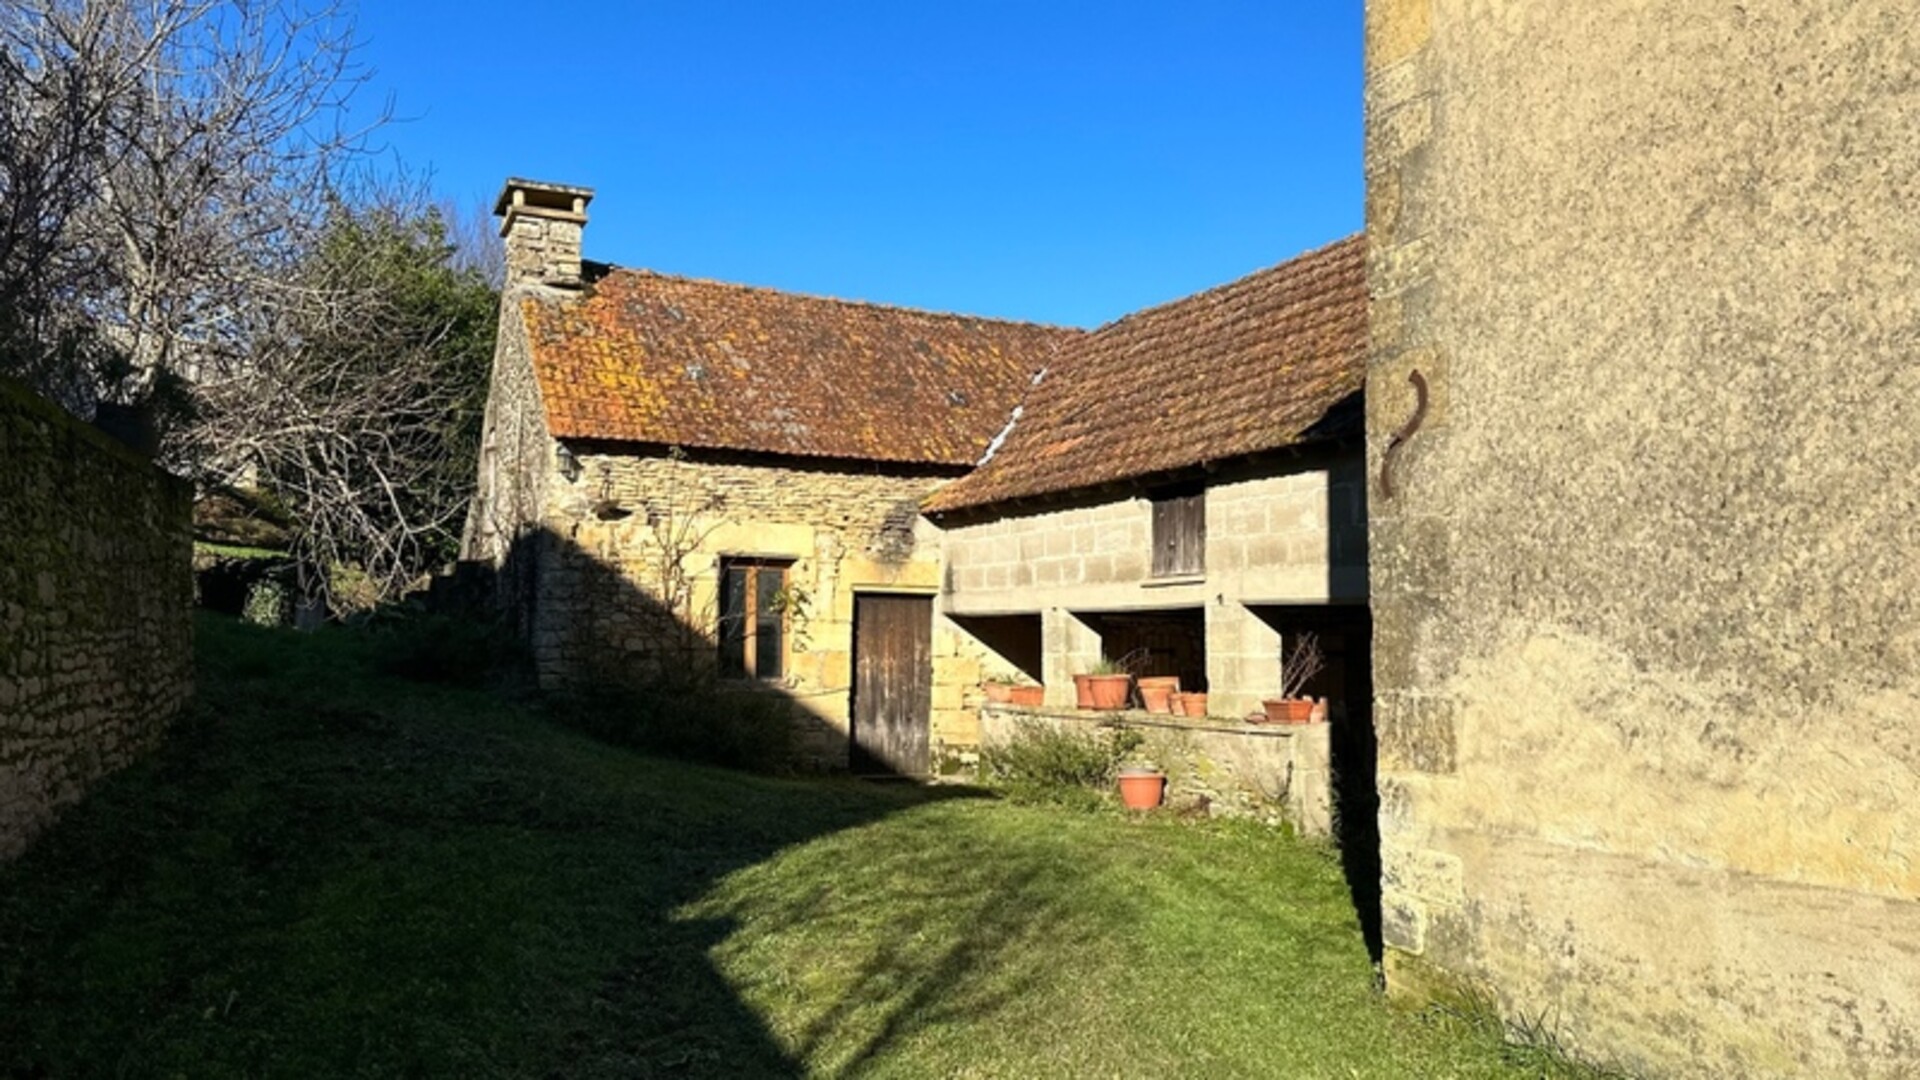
[328,872]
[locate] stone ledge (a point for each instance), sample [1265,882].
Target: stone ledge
[1143,718]
[1229,768]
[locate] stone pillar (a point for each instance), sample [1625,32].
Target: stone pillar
[1243,659]
[1067,645]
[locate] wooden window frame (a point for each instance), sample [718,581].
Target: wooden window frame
[1179,533]
[752,620]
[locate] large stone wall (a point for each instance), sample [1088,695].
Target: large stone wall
[96,595]
[1647,611]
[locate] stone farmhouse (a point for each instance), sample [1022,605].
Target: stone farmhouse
[1635,617]
[684,476]
[786,491]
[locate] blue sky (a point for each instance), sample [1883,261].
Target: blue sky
[1061,162]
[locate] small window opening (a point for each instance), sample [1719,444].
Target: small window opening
[753,623]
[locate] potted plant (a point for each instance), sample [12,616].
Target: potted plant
[1142,787]
[1107,685]
[1027,695]
[1298,665]
[1157,692]
[1082,691]
[999,688]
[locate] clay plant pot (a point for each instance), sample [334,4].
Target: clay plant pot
[1193,703]
[1108,692]
[1030,697]
[1288,710]
[1157,692]
[1142,789]
[998,692]
[1082,694]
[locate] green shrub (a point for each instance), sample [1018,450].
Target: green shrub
[268,604]
[740,729]
[431,648]
[1048,764]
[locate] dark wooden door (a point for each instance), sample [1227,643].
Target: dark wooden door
[892,684]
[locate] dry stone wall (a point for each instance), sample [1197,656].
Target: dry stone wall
[96,593]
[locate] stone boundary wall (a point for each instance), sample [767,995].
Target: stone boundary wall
[96,598]
[1271,773]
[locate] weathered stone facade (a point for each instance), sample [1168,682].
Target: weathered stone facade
[517,458]
[96,595]
[1647,643]
[608,606]
[1291,532]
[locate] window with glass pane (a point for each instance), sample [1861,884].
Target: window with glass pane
[753,636]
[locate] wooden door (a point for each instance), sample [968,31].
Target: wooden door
[892,684]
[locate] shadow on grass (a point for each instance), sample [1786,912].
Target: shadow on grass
[330,871]
[936,931]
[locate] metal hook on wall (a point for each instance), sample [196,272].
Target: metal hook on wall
[1406,431]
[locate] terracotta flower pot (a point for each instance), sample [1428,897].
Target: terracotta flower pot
[1031,697]
[1288,710]
[1157,692]
[1108,692]
[998,692]
[1082,695]
[1142,789]
[1193,703]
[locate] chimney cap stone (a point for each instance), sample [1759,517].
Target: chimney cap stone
[542,197]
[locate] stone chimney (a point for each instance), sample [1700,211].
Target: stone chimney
[541,224]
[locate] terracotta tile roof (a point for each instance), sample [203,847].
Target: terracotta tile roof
[646,357]
[1249,366]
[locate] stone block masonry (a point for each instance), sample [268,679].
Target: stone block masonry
[1646,643]
[96,594]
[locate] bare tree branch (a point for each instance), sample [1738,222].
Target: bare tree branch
[189,219]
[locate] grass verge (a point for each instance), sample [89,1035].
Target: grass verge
[334,871]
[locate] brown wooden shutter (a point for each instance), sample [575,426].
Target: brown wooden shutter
[1180,535]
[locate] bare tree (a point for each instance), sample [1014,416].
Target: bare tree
[361,406]
[476,243]
[188,216]
[162,165]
